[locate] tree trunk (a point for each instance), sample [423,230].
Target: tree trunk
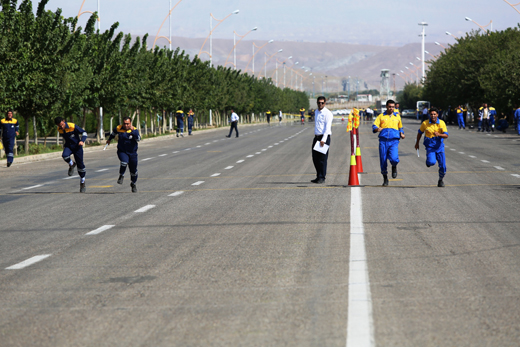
[26,134]
[35,131]
[84,120]
[138,120]
[45,141]
[145,122]
[164,121]
[98,139]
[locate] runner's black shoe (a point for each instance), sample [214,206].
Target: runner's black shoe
[134,187]
[82,188]
[71,169]
[441,183]
[385,180]
[120,179]
[394,171]
[9,164]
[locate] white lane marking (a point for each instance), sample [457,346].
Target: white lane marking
[28,262]
[175,152]
[462,153]
[276,144]
[36,186]
[264,149]
[250,156]
[177,193]
[229,167]
[499,167]
[187,149]
[198,183]
[360,329]
[286,139]
[70,177]
[102,170]
[215,141]
[162,155]
[516,175]
[484,161]
[472,156]
[146,159]
[452,149]
[269,146]
[199,146]
[209,143]
[100,230]
[145,208]
[215,174]
[258,153]
[240,161]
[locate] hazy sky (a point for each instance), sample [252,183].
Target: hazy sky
[379,22]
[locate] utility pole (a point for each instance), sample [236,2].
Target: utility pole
[424,25]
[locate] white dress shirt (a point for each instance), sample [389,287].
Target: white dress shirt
[323,123]
[234,117]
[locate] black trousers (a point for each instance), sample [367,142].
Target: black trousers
[233,125]
[485,125]
[320,159]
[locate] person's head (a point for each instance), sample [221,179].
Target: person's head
[485,105]
[191,110]
[127,123]
[397,105]
[434,114]
[390,106]
[232,110]
[321,102]
[9,114]
[60,122]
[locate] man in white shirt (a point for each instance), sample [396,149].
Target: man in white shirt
[322,131]
[280,117]
[234,122]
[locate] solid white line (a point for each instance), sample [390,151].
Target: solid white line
[146,159]
[36,186]
[484,161]
[499,167]
[250,156]
[28,262]
[100,229]
[102,170]
[198,183]
[162,155]
[360,328]
[145,208]
[215,174]
[70,177]
[240,161]
[229,167]
[177,193]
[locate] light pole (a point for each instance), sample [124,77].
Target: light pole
[255,53]
[450,34]
[210,36]
[513,6]
[438,44]
[430,54]
[267,60]
[313,80]
[80,13]
[482,27]
[235,45]
[404,73]
[170,25]
[424,25]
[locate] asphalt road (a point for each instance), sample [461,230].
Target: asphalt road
[235,246]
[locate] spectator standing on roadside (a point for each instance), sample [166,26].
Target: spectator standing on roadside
[280,117]
[128,137]
[492,117]
[322,131]
[234,122]
[397,109]
[74,138]
[370,113]
[460,117]
[502,123]
[9,129]
[424,113]
[390,129]
[517,120]
[435,132]
[484,115]
[190,121]
[268,116]
[179,115]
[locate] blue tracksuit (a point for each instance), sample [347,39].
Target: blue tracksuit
[434,145]
[492,117]
[72,135]
[190,123]
[179,115]
[9,128]
[127,149]
[388,139]
[460,118]
[517,120]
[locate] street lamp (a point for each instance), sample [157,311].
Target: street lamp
[424,25]
[450,34]
[438,44]
[98,17]
[513,6]
[170,24]
[210,36]
[482,27]
[253,57]
[235,45]
[430,54]
[267,60]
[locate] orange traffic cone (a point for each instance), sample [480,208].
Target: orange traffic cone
[353,179]
[358,160]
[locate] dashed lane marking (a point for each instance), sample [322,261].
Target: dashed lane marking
[71,177]
[100,230]
[258,153]
[516,175]
[215,174]
[499,167]
[229,167]
[146,159]
[485,161]
[102,170]
[240,161]
[177,193]
[472,156]
[162,155]
[28,262]
[175,152]
[250,156]
[32,187]
[198,183]
[462,153]
[145,208]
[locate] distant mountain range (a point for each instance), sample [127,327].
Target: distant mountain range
[337,61]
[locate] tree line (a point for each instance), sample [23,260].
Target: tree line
[51,67]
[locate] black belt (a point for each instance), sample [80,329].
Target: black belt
[319,137]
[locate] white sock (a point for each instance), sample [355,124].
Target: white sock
[82,179]
[71,162]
